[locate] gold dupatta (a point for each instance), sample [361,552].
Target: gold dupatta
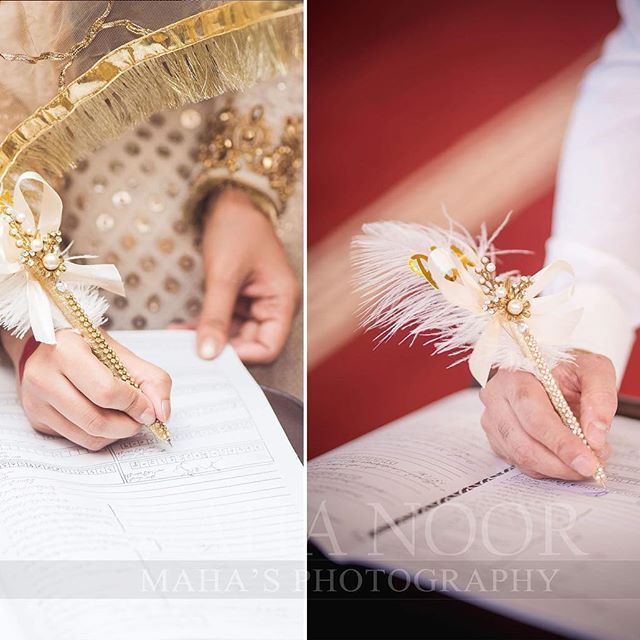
[225,48]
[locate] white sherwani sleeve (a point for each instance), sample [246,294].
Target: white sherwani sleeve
[596,224]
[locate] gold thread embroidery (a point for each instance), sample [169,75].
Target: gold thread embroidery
[100,24]
[234,141]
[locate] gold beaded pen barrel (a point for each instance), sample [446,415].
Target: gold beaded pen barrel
[530,348]
[42,258]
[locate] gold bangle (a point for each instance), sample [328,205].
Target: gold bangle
[195,209]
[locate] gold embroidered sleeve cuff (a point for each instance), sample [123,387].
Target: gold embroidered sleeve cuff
[242,151]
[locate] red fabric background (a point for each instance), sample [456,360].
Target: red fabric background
[391,85]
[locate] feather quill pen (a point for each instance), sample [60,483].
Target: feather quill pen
[440,286]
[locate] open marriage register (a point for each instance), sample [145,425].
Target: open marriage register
[426,499]
[201,540]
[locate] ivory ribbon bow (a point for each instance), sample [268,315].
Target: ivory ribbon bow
[552,320]
[105,276]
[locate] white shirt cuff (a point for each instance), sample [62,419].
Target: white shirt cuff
[605,326]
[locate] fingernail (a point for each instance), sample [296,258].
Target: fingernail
[598,435]
[208,349]
[585,465]
[166,410]
[148,417]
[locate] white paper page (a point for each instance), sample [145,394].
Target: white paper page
[399,467]
[227,497]
[10,627]
[558,554]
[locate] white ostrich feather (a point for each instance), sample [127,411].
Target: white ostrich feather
[14,305]
[396,299]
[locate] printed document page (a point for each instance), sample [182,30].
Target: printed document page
[425,496]
[202,539]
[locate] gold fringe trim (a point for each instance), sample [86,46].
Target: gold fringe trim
[223,49]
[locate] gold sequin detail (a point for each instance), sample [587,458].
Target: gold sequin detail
[139,322]
[148,263]
[172,190]
[166,245]
[180,226]
[105,222]
[171,284]
[156,204]
[193,306]
[143,225]
[128,241]
[153,304]
[121,199]
[99,184]
[186,263]
[132,280]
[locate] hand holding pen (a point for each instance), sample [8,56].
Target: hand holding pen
[66,391]
[523,427]
[44,276]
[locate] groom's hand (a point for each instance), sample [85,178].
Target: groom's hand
[524,429]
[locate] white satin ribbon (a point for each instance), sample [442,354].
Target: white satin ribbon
[105,276]
[552,321]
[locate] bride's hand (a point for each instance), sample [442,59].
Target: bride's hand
[66,391]
[251,295]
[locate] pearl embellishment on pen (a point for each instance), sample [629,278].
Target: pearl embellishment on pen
[515,307]
[51,261]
